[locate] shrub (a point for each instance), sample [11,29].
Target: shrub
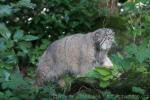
[27,27]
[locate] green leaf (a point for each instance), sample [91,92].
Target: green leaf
[107,78]
[11,59]
[16,80]
[18,35]
[132,49]
[141,52]
[30,38]
[6,75]
[4,31]
[138,90]
[5,10]
[10,44]
[91,73]
[2,44]
[141,56]
[24,46]
[14,98]
[104,84]
[8,93]
[137,31]
[130,6]
[103,71]
[44,44]
[2,96]
[25,3]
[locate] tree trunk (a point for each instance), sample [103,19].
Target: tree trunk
[109,5]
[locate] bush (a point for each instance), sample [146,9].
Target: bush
[23,21]
[28,27]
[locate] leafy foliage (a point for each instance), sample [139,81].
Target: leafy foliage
[27,27]
[104,76]
[138,90]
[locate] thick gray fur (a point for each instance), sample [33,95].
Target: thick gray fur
[75,54]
